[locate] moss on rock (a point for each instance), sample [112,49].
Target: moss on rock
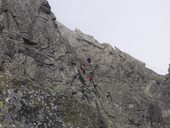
[76,113]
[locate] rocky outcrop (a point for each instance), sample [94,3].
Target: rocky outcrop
[40,88]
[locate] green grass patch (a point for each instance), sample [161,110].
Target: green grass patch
[1,104]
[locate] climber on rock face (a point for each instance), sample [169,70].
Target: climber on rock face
[88,71]
[169,69]
[85,72]
[85,66]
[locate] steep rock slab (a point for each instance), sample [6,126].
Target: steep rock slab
[35,92]
[39,58]
[124,83]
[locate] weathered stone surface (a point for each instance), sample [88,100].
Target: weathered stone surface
[40,88]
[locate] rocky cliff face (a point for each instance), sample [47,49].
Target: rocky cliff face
[39,60]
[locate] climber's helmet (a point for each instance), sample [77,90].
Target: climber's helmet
[89,60]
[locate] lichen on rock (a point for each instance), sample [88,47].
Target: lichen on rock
[41,84]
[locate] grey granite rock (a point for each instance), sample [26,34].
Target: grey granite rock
[42,86]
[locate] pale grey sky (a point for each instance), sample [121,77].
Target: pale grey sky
[138,27]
